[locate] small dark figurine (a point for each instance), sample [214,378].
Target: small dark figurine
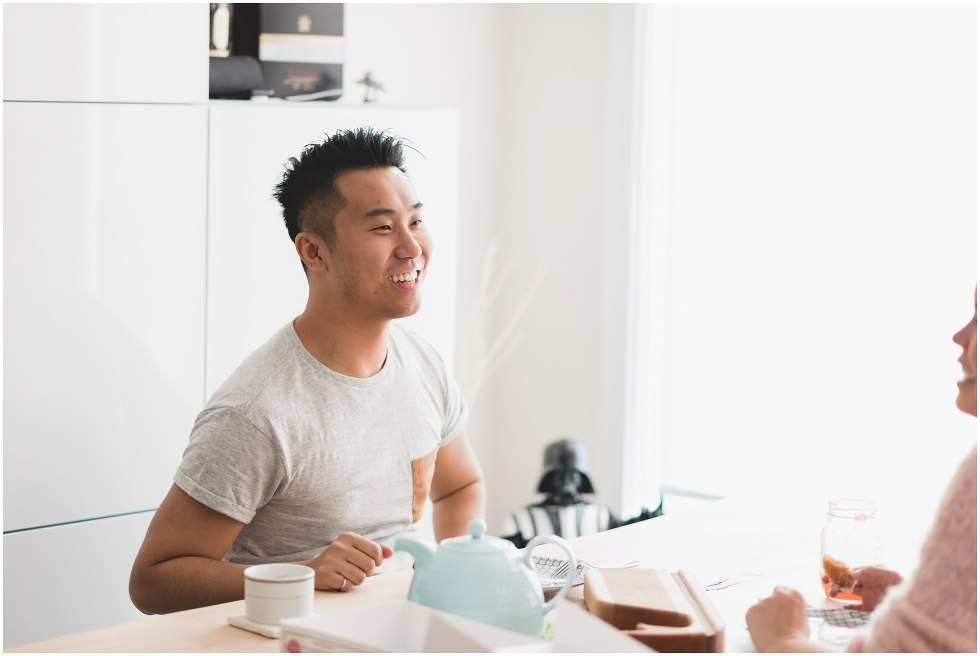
[371,87]
[563,511]
[564,477]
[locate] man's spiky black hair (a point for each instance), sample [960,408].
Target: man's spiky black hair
[307,193]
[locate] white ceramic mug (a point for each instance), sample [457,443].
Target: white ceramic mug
[278,591]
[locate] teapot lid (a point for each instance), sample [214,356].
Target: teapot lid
[477,542]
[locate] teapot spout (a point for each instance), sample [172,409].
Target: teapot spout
[420,550]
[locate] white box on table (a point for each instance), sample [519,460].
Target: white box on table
[400,627]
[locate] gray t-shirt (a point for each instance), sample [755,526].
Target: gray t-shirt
[301,453]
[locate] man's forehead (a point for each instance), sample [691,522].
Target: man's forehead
[362,184]
[376,192]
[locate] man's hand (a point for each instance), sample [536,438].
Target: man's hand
[348,560]
[778,623]
[872,584]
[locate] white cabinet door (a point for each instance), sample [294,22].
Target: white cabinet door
[71,578]
[103,324]
[106,52]
[256,283]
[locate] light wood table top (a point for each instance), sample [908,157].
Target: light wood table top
[761,547]
[207,630]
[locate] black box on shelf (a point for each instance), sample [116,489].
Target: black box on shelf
[302,49]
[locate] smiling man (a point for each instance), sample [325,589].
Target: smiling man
[322,447]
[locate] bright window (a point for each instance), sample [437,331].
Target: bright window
[806,246]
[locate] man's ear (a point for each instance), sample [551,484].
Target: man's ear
[313,251]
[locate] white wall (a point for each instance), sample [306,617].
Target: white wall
[566,86]
[538,87]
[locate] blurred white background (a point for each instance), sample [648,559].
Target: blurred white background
[811,250]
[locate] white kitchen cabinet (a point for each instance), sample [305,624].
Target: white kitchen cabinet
[103,327]
[256,283]
[135,52]
[70,578]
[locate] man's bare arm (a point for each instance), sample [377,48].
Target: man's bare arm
[179,565]
[458,493]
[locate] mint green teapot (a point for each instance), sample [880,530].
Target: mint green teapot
[484,578]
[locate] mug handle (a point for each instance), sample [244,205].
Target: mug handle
[572,565]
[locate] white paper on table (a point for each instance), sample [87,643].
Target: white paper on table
[453,634]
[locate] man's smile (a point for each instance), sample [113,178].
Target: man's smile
[409,276]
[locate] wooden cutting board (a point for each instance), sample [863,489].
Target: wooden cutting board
[663,610]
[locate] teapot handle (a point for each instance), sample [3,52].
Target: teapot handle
[572,565]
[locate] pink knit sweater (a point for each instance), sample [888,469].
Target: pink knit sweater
[936,610]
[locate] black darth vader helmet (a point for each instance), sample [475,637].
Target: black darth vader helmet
[564,472]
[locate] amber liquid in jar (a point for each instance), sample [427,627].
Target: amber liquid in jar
[848,597]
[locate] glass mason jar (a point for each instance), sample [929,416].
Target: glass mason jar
[850,539]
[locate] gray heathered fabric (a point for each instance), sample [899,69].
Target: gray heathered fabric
[300,453]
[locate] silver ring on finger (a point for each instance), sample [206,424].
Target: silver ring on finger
[343,586]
